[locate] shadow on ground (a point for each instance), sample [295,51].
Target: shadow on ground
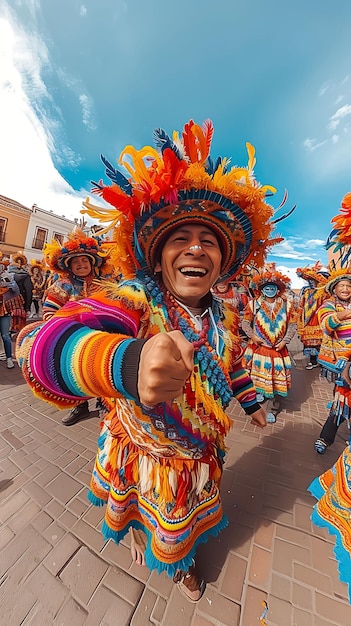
[262,486]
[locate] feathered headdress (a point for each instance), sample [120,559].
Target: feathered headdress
[19,257]
[176,182]
[36,263]
[315,272]
[58,256]
[269,274]
[335,277]
[339,240]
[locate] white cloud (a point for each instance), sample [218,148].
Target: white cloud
[87,109]
[312,144]
[28,174]
[296,282]
[287,250]
[83,10]
[338,116]
[314,243]
[299,249]
[335,138]
[324,89]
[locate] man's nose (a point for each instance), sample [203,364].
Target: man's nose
[195,247]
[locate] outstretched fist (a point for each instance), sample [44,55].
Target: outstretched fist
[166,361]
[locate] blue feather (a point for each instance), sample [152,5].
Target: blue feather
[97,185]
[163,141]
[283,217]
[209,166]
[212,167]
[117,177]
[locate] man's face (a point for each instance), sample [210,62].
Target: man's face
[81,266]
[190,263]
[343,290]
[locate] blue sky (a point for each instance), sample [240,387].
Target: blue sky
[81,78]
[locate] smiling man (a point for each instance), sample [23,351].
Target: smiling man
[159,348]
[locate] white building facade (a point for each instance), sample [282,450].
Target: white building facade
[43,227]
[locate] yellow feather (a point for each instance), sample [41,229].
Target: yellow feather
[251,153]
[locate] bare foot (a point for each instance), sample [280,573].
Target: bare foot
[138,546]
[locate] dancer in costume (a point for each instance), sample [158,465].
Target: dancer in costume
[80,263]
[269,323]
[333,489]
[159,348]
[335,320]
[311,298]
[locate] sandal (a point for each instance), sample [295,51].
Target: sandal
[320,446]
[189,585]
[271,418]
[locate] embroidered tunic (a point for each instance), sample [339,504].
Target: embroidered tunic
[63,290]
[336,344]
[333,510]
[268,367]
[157,468]
[309,329]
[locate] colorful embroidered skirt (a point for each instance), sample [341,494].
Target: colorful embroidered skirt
[269,369]
[333,510]
[175,501]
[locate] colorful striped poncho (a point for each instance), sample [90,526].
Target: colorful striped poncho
[308,326]
[333,510]
[157,468]
[269,368]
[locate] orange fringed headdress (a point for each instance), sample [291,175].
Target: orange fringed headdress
[339,239]
[335,277]
[269,274]
[176,182]
[315,272]
[19,257]
[58,256]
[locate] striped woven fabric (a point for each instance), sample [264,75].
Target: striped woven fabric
[157,469]
[333,510]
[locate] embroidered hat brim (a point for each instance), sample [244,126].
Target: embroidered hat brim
[196,206]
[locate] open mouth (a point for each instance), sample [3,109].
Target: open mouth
[193,272]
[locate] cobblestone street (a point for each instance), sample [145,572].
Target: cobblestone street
[55,567]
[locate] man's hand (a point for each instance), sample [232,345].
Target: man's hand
[344,315]
[259,418]
[166,361]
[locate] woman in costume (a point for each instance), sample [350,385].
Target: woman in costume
[333,488]
[311,297]
[159,348]
[269,323]
[334,317]
[79,263]
[38,279]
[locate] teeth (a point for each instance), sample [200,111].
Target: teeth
[196,270]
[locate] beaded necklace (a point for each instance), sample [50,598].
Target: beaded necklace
[206,360]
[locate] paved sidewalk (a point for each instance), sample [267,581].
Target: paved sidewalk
[55,568]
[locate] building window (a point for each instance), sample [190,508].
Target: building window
[3,223]
[40,238]
[59,237]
